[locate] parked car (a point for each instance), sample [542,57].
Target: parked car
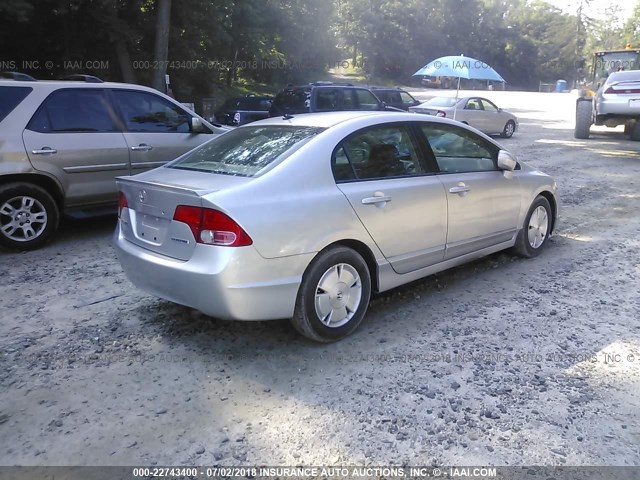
[62,143]
[242,110]
[395,97]
[617,102]
[478,112]
[304,217]
[325,97]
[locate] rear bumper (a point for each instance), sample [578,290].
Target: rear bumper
[618,107]
[226,283]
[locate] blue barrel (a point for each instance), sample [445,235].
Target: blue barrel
[561,86]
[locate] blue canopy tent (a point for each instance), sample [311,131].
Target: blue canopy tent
[459,66]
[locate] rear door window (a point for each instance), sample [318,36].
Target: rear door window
[292,101]
[146,112]
[376,153]
[366,100]
[327,99]
[75,110]
[10,98]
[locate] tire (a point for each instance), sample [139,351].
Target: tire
[28,216]
[528,244]
[336,269]
[634,134]
[509,129]
[583,119]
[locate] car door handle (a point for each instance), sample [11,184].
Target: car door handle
[462,188]
[143,147]
[44,151]
[375,200]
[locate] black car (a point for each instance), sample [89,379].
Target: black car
[324,97]
[241,110]
[395,97]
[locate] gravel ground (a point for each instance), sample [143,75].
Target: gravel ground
[503,361]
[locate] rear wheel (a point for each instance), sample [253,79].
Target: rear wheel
[28,216]
[583,119]
[509,129]
[334,295]
[535,230]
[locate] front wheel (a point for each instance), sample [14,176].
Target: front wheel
[509,129]
[28,216]
[535,230]
[334,295]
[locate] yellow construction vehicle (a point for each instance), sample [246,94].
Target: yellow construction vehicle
[590,97]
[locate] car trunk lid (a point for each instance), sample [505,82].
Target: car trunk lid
[151,202]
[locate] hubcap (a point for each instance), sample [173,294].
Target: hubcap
[538,227]
[509,129]
[338,295]
[22,218]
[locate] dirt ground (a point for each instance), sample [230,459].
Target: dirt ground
[503,361]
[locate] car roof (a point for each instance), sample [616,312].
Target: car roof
[624,75]
[54,84]
[309,86]
[330,119]
[388,89]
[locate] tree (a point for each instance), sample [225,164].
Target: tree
[161,50]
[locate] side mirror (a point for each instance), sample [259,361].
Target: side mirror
[499,109]
[196,125]
[506,161]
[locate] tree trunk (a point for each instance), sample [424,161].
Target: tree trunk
[161,50]
[124,60]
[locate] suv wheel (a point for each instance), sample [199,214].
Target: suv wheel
[583,119]
[28,216]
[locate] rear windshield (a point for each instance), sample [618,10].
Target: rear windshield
[10,98]
[441,102]
[244,151]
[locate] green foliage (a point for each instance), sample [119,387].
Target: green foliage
[221,45]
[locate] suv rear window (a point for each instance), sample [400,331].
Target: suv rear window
[10,98]
[244,151]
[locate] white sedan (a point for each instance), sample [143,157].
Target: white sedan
[478,112]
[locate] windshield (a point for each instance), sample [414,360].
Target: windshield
[609,62]
[441,102]
[244,151]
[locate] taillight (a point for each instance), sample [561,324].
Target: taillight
[122,203]
[622,90]
[440,113]
[212,227]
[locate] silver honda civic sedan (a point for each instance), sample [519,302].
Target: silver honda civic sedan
[305,216]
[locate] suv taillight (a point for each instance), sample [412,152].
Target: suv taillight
[122,203]
[212,227]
